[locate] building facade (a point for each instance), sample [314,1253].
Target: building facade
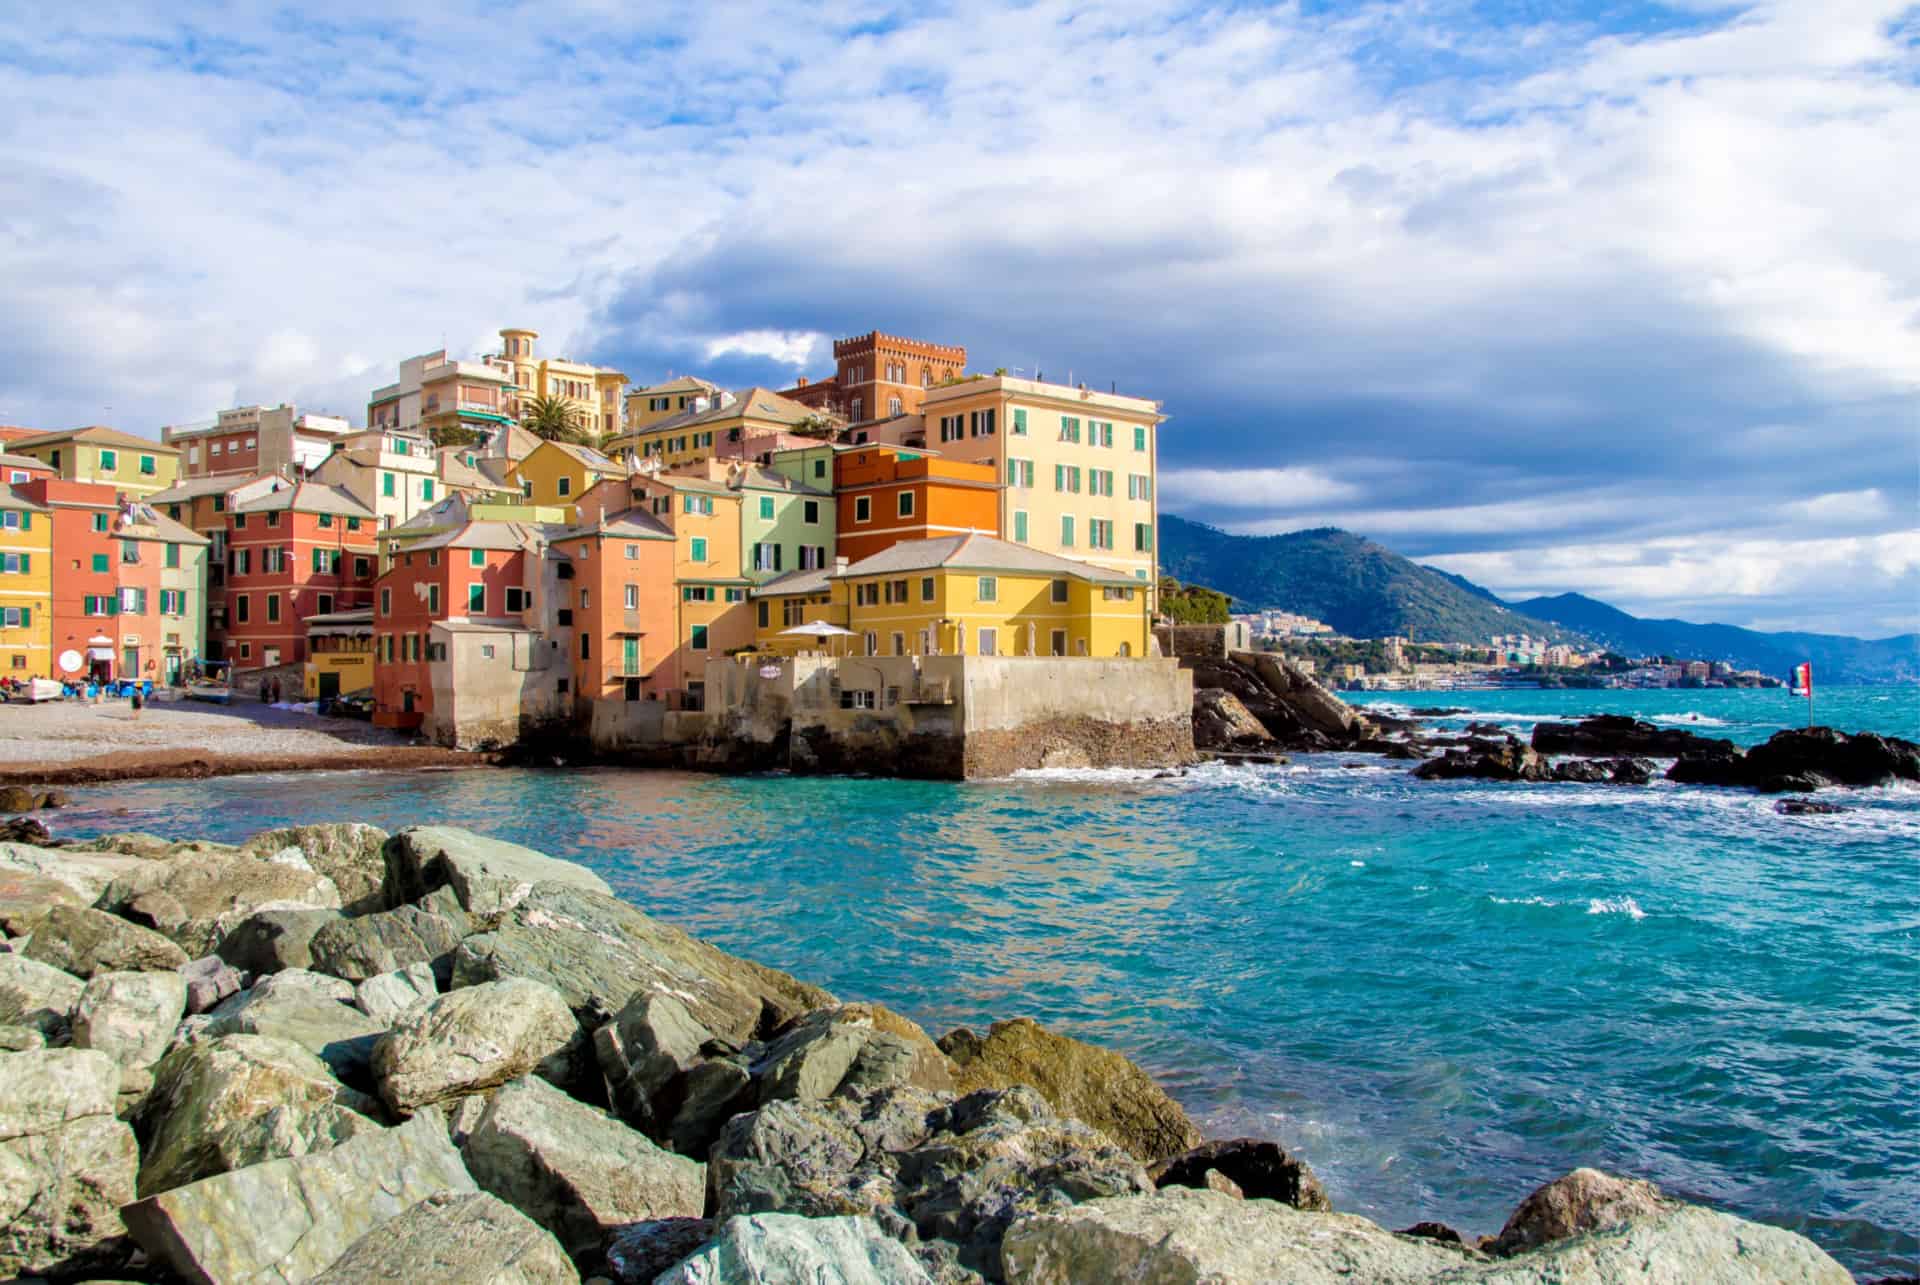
[593,391]
[887,494]
[250,440]
[26,587]
[435,393]
[103,457]
[299,551]
[878,375]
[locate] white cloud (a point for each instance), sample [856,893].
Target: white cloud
[1251,488]
[797,348]
[1842,507]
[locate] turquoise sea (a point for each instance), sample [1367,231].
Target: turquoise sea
[1440,994]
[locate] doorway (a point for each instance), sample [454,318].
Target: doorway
[329,685]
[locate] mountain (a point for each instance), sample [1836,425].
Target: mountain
[1836,658]
[1362,589]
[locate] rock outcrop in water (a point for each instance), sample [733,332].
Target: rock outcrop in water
[1802,759]
[580,1089]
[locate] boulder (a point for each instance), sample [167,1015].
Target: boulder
[66,1164]
[574,1170]
[1828,757]
[1581,1201]
[210,980]
[638,1254]
[1083,1080]
[1610,735]
[84,941]
[476,1038]
[20,1039]
[488,875]
[25,830]
[268,941]
[129,1016]
[1509,760]
[287,1220]
[1807,808]
[349,853]
[386,996]
[1709,767]
[38,995]
[1691,1244]
[25,898]
[774,1248]
[1180,1234]
[213,894]
[1630,771]
[598,952]
[339,1035]
[1581,771]
[389,940]
[1221,721]
[87,873]
[288,984]
[458,1239]
[849,1047]
[17,798]
[958,1171]
[206,1110]
[650,1044]
[1261,1170]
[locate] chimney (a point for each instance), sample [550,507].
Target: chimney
[840,564]
[801,382]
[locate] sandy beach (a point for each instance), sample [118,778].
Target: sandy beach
[70,742]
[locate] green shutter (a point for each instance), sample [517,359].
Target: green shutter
[26,616]
[26,521]
[1020,526]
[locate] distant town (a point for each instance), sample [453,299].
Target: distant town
[1502,660]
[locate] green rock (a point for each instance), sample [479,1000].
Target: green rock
[83,941]
[489,875]
[129,1016]
[38,995]
[217,892]
[767,1248]
[449,1239]
[66,1164]
[347,852]
[270,941]
[476,1038]
[369,945]
[340,1036]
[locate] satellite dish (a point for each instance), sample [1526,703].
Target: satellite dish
[70,662]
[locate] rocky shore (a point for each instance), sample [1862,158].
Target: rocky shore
[330,1054]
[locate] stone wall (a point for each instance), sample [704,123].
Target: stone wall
[293,678]
[1201,642]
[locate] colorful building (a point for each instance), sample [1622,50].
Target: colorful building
[26,587]
[298,551]
[339,654]
[104,456]
[22,468]
[886,494]
[621,591]
[85,584]
[878,375]
[975,595]
[559,473]
[711,614]
[250,440]
[646,407]
[394,474]
[593,391]
[732,423]
[162,594]
[1078,466]
[435,394]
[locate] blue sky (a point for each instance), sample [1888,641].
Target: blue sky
[1618,298]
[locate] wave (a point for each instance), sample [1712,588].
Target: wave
[1615,906]
[1687,718]
[1521,901]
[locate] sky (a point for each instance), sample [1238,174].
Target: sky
[1613,298]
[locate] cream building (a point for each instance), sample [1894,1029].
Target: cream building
[594,390]
[1078,465]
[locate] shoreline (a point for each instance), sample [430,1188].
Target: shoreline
[195,765]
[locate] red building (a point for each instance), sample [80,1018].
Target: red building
[878,375]
[297,551]
[479,572]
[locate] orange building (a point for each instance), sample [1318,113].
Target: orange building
[292,552]
[623,596]
[886,494]
[879,375]
[86,575]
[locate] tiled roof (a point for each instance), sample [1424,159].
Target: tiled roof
[979,553]
[21,461]
[751,403]
[591,458]
[759,479]
[193,488]
[795,582]
[678,384]
[631,524]
[99,435]
[500,536]
[19,503]
[306,497]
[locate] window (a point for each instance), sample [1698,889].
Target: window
[1059,591]
[697,593]
[172,558]
[1019,422]
[273,608]
[1100,481]
[1019,526]
[486,651]
[173,602]
[101,522]
[386,484]
[896,591]
[766,508]
[698,551]
[1139,437]
[16,562]
[1066,478]
[810,511]
[630,597]
[952,427]
[926,588]
[564,487]
[1117,593]
[1139,486]
[241,607]
[15,618]
[362,568]
[476,557]
[273,519]
[1019,472]
[863,508]
[246,651]
[989,641]
[1066,530]
[981,422]
[433,599]
[586,646]
[1069,429]
[1058,642]
[698,642]
[701,504]
[100,563]
[793,612]
[867,595]
[433,557]
[109,462]
[526,492]
[906,504]
[899,649]
[326,602]
[855,697]
[129,551]
[633,552]
[476,600]
[1099,433]
[219,504]
[147,468]
[819,468]
[988,590]
[1143,537]
[736,595]
[102,604]
[766,557]
[586,599]
[764,615]
[326,520]
[242,562]
[516,599]
[1099,533]
[893,405]
[386,602]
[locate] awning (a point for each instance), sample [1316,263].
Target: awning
[99,640]
[100,653]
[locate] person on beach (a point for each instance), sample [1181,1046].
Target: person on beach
[137,701]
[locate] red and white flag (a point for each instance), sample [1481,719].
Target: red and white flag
[1803,678]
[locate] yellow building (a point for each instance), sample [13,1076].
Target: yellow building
[705,431]
[712,616]
[26,588]
[649,406]
[594,390]
[1078,465]
[136,466]
[339,653]
[560,473]
[970,595]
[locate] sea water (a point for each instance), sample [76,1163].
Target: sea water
[1440,994]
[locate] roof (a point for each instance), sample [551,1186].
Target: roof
[749,403]
[759,479]
[979,553]
[21,461]
[678,384]
[99,435]
[148,524]
[628,524]
[455,471]
[358,616]
[516,443]
[795,582]
[504,537]
[193,488]
[19,503]
[683,482]
[483,627]
[589,457]
[306,497]
[451,511]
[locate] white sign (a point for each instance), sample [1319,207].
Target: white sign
[770,671]
[70,662]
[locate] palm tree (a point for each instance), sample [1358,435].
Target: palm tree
[554,418]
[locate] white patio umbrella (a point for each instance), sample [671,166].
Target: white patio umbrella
[819,629]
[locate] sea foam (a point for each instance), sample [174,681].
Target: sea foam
[1615,906]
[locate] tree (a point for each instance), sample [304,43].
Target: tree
[455,435]
[817,425]
[1192,604]
[555,419]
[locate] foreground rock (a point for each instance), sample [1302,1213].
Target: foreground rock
[370,945]
[196,901]
[1688,1244]
[638,1254]
[780,1247]
[474,1039]
[1803,759]
[1582,1201]
[270,941]
[471,1239]
[129,1016]
[83,941]
[1222,722]
[488,875]
[386,996]
[39,996]
[66,1163]
[1089,1083]
[323,1024]
[599,952]
[574,1170]
[1508,760]
[349,853]
[84,872]
[288,1220]
[1258,1170]
[25,898]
